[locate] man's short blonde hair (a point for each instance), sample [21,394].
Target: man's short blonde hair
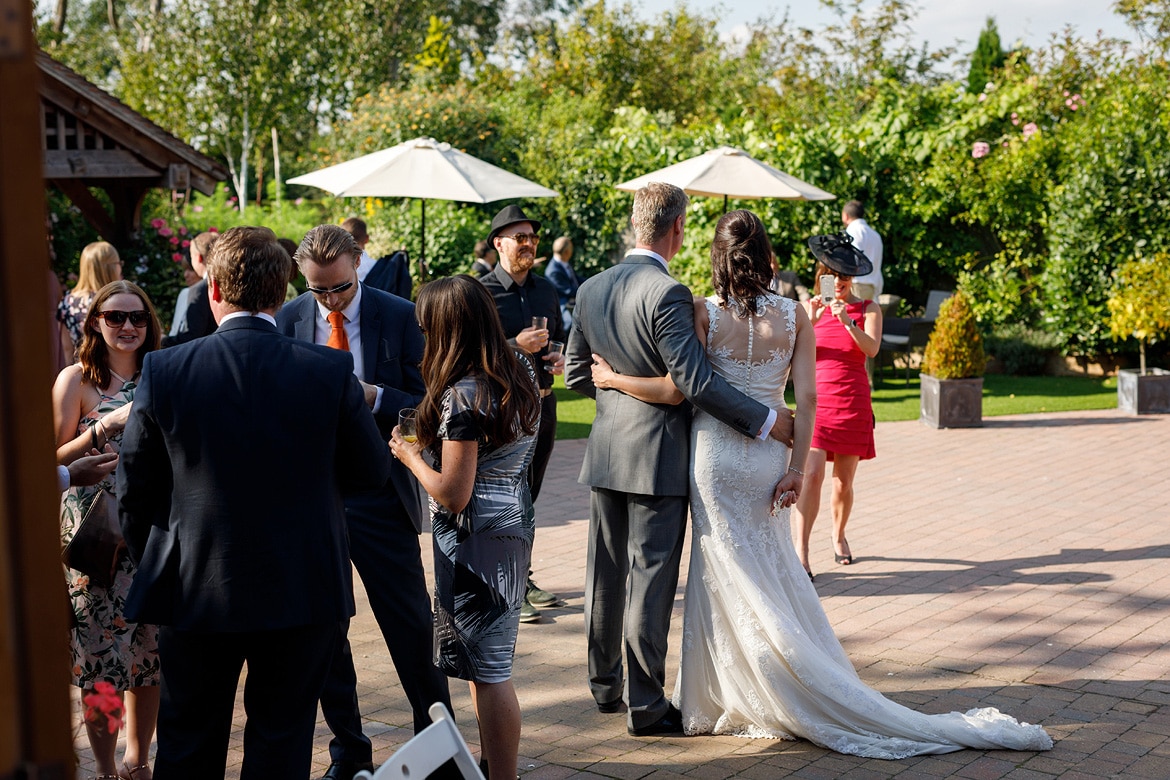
[324,245]
[656,207]
[250,268]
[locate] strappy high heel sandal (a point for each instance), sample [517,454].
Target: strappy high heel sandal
[140,772]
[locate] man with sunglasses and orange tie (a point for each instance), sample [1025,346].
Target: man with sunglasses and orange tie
[521,295]
[381,333]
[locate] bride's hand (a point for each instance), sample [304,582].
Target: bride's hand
[603,374]
[787,490]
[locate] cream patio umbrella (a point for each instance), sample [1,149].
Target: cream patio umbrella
[730,172]
[423,168]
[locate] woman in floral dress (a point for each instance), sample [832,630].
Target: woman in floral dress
[100,265]
[91,404]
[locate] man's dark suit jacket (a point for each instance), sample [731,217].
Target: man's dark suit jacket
[230,482]
[197,320]
[391,274]
[392,346]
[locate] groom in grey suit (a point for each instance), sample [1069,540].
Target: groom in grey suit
[642,321]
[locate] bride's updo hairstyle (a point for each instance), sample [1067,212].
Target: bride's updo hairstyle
[741,259]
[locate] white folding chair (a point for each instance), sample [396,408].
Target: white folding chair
[427,751]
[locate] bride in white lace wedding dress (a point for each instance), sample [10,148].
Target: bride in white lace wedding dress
[759,658]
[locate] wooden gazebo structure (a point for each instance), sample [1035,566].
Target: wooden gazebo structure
[56,128]
[91,139]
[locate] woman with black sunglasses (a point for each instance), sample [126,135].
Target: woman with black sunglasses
[91,404]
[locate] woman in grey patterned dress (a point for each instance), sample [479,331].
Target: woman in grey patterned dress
[91,404]
[478,423]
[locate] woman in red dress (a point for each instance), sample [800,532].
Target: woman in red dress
[848,330]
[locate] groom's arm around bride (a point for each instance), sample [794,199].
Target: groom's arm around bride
[642,321]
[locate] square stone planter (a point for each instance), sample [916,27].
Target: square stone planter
[951,403]
[1149,394]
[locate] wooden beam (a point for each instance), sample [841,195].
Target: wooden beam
[127,197]
[35,734]
[97,164]
[89,206]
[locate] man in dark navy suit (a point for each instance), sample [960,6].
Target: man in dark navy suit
[233,464]
[382,334]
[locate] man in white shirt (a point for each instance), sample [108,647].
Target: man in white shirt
[357,228]
[868,241]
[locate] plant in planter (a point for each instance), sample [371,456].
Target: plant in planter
[1139,308]
[952,368]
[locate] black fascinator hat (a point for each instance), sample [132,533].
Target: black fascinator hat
[836,251]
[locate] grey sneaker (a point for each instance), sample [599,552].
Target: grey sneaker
[538,597]
[529,613]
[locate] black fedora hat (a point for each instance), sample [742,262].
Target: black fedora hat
[510,215]
[836,251]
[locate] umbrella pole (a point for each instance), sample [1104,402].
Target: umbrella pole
[724,204]
[422,248]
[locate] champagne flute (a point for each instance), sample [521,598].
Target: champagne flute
[555,350]
[408,425]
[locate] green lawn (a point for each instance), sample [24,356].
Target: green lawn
[897,401]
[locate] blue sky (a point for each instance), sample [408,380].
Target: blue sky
[941,22]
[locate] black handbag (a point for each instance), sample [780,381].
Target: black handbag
[97,544]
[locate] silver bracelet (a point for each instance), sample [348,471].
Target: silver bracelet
[795,470]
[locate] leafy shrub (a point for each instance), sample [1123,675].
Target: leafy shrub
[152,259]
[288,219]
[1138,306]
[955,348]
[1020,350]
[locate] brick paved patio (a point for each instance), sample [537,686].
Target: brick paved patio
[1024,565]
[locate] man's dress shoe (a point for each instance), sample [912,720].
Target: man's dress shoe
[345,770]
[670,723]
[610,707]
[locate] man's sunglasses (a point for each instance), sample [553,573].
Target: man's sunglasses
[332,290]
[116,319]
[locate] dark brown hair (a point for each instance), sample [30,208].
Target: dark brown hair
[465,337]
[741,259]
[94,354]
[356,227]
[251,269]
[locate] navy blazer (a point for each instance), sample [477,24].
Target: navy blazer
[230,483]
[392,347]
[391,274]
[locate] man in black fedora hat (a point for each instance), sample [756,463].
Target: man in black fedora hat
[521,295]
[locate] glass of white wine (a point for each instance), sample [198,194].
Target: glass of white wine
[408,425]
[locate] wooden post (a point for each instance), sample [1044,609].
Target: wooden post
[35,737]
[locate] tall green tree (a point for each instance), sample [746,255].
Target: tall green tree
[987,58]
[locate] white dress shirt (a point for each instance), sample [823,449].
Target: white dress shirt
[353,332]
[869,242]
[365,266]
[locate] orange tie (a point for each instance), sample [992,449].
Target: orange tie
[337,337]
